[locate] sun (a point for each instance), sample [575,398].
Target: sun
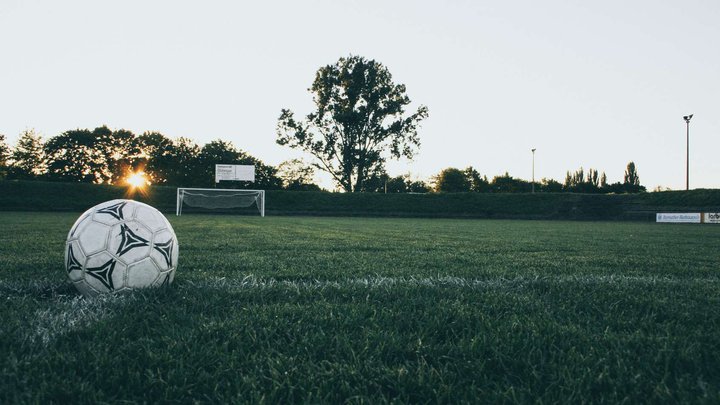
[137,179]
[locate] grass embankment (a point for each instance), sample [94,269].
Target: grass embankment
[44,196]
[295,309]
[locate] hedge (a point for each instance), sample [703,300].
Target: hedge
[50,196]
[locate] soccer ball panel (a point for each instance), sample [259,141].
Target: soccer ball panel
[175,252]
[93,237]
[104,272]
[74,261]
[130,241]
[81,221]
[142,274]
[150,217]
[165,278]
[164,250]
[112,212]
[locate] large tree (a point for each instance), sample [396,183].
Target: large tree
[508,184]
[359,122]
[451,180]
[73,156]
[183,164]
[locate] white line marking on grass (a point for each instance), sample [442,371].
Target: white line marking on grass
[380,282]
[63,309]
[70,314]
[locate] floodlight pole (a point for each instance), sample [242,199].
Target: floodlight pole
[687,151]
[533,170]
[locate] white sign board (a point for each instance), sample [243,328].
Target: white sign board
[711,217]
[234,173]
[675,217]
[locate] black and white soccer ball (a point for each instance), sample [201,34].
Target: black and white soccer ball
[120,245]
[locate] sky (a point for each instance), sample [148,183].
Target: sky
[592,84]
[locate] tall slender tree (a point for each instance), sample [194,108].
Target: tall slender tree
[28,156]
[631,177]
[4,156]
[478,183]
[631,180]
[593,178]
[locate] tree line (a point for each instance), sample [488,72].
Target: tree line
[106,156]
[580,181]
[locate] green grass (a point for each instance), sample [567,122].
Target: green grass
[296,309]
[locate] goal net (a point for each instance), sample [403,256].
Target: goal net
[220,199]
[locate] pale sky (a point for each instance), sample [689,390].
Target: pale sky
[588,83]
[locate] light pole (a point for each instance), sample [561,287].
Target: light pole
[533,171]
[687,151]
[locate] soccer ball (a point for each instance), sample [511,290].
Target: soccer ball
[120,245]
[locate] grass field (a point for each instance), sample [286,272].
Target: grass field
[297,309]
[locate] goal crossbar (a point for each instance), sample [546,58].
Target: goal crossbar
[213,198]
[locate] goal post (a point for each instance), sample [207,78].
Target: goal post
[218,198]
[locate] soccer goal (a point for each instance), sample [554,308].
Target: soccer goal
[219,199]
